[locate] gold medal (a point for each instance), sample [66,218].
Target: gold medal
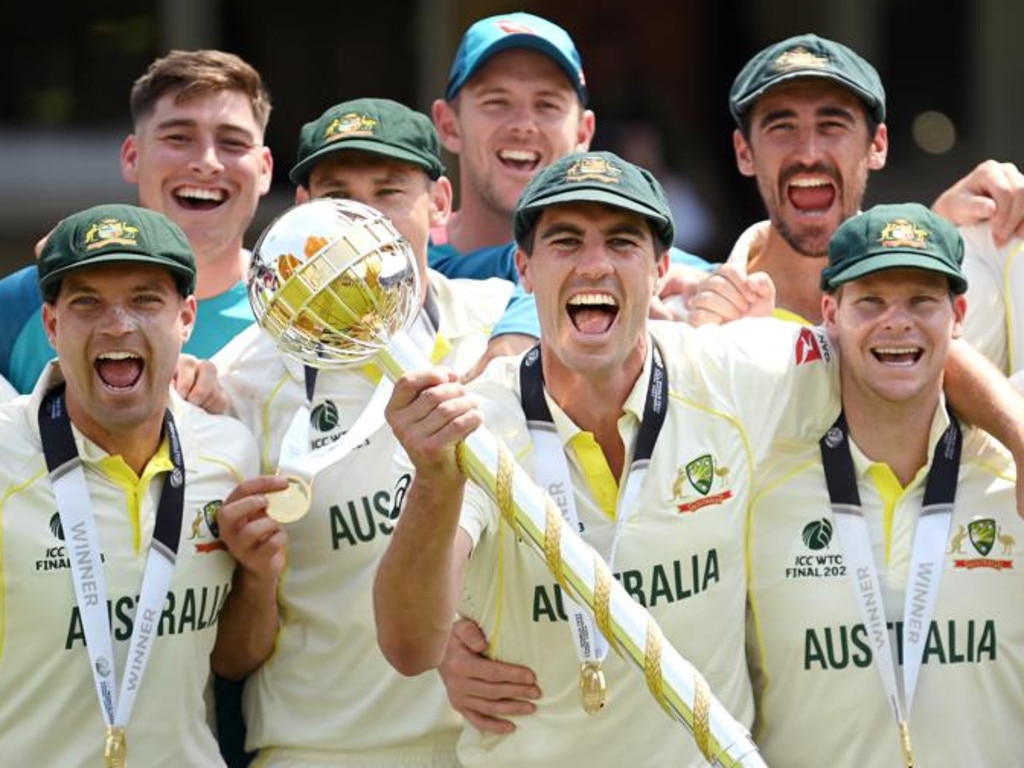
[115,753]
[290,504]
[908,752]
[593,690]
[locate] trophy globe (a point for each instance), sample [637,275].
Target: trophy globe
[332,281]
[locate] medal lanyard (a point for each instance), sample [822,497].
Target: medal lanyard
[930,536]
[82,539]
[296,455]
[552,472]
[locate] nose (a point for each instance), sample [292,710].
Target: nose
[897,316]
[523,121]
[594,261]
[206,161]
[117,320]
[808,146]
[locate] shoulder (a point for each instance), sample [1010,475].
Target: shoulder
[466,300]
[224,440]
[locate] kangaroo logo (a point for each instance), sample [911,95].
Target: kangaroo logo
[956,545]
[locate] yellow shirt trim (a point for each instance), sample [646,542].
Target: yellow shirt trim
[596,472]
[890,492]
[134,487]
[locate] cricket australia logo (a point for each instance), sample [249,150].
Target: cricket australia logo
[902,233]
[992,548]
[800,58]
[593,168]
[110,231]
[205,531]
[350,124]
[700,475]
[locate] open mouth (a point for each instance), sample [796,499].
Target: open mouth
[119,370]
[522,160]
[897,356]
[592,313]
[813,194]
[199,198]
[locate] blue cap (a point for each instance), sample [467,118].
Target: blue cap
[495,34]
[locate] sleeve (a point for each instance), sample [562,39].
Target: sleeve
[687,259]
[991,305]
[520,315]
[20,298]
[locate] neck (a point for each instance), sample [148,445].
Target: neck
[895,434]
[476,226]
[594,403]
[136,444]
[218,273]
[797,277]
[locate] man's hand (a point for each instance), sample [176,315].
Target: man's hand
[484,691]
[729,293]
[992,191]
[430,412]
[196,381]
[505,345]
[675,289]
[255,541]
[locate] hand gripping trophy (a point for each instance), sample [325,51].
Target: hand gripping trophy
[335,284]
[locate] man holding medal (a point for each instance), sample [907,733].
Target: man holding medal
[121,515]
[885,585]
[326,695]
[648,452]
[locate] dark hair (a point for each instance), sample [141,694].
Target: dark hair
[189,74]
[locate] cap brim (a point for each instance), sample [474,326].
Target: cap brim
[178,269]
[523,40]
[743,105]
[898,259]
[299,174]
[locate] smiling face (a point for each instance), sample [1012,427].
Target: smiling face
[810,150]
[118,330]
[894,329]
[201,162]
[517,114]
[593,269]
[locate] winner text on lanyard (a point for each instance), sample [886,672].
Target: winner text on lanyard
[922,591]
[72,494]
[552,473]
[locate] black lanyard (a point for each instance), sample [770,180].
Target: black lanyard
[531,387]
[62,454]
[841,478]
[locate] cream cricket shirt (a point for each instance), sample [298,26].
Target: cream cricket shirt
[680,552]
[820,698]
[327,687]
[995,296]
[995,309]
[49,712]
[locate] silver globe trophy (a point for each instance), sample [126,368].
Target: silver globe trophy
[335,284]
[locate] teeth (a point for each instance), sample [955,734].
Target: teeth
[807,183]
[592,299]
[117,356]
[897,350]
[200,193]
[519,155]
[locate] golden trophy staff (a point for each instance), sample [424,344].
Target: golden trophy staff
[335,284]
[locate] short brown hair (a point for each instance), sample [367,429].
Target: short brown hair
[189,74]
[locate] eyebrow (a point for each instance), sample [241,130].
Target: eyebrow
[783,113]
[186,122]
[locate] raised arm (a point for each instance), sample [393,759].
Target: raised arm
[248,623]
[420,575]
[983,396]
[991,191]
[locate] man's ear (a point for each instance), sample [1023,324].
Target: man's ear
[744,154]
[440,202]
[446,121]
[130,159]
[302,195]
[523,268]
[879,149]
